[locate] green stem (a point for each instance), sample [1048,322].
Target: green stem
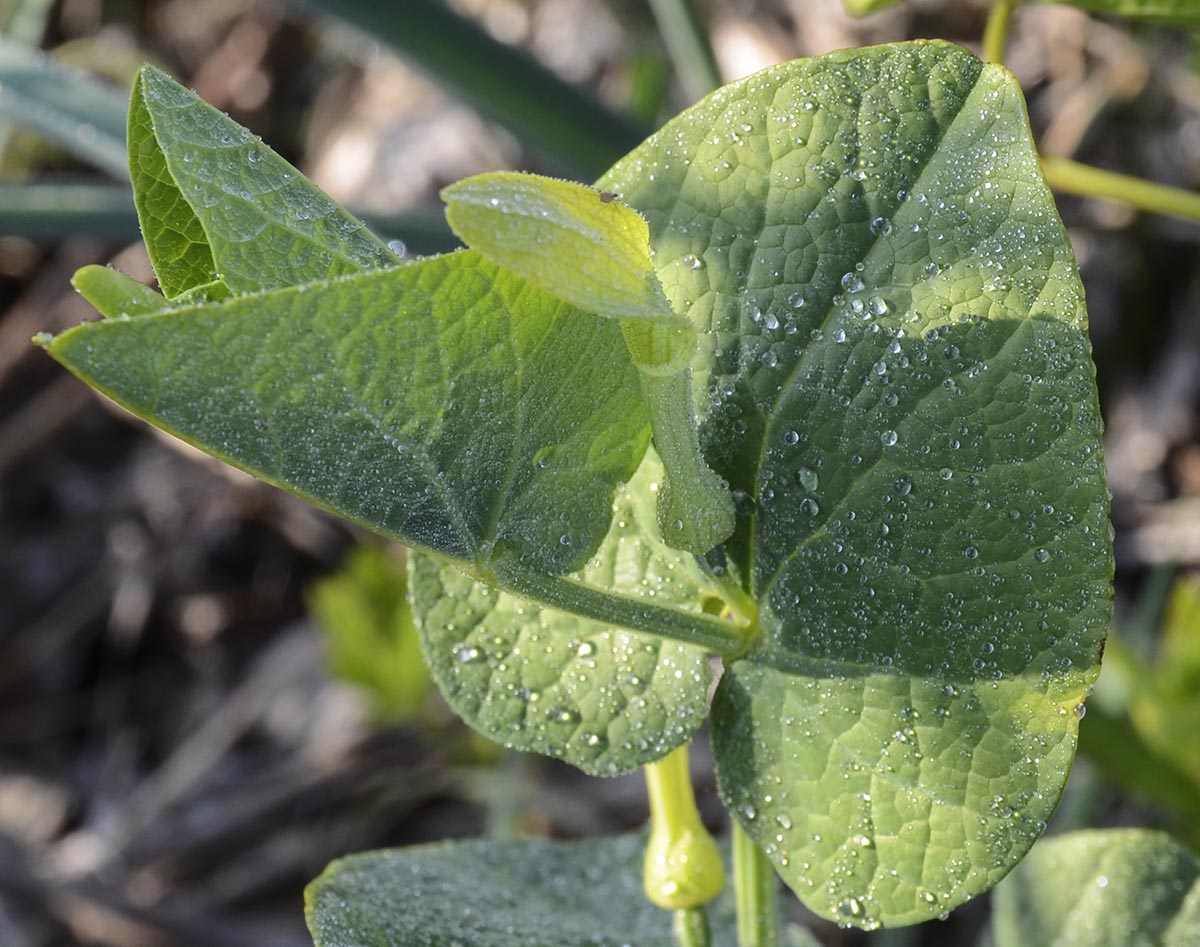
[1072,177]
[754,891]
[995,33]
[690,926]
[687,45]
[695,507]
[611,608]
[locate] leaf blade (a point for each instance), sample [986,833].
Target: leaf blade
[870,239]
[463,892]
[1113,888]
[421,462]
[543,681]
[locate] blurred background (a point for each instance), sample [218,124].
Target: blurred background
[208,690]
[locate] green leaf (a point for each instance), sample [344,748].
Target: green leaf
[373,644]
[579,244]
[896,381]
[545,681]
[496,894]
[115,294]
[1115,888]
[420,401]
[1177,12]
[77,112]
[865,7]
[214,202]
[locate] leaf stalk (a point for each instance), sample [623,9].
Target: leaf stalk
[1062,174]
[754,893]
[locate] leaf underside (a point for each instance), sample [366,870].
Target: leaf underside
[1112,888]
[496,894]
[897,382]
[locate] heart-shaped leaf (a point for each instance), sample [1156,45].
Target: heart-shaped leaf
[496,894]
[542,680]
[898,384]
[1115,888]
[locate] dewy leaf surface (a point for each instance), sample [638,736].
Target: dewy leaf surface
[445,403]
[1114,888]
[496,894]
[214,201]
[896,381]
[541,680]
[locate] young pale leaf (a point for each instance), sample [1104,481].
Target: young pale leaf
[114,294]
[580,244]
[445,403]
[1115,888]
[216,202]
[541,680]
[496,894]
[898,385]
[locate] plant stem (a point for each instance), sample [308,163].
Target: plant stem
[1062,174]
[995,33]
[614,609]
[687,45]
[754,890]
[690,926]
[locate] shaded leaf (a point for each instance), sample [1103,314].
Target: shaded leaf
[416,401]
[541,680]
[1113,888]
[899,389]
[496,894]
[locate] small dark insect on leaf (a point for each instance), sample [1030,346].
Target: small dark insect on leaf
[607,197]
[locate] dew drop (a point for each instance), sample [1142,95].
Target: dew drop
[398,247]
[881,226]
[888,438]
[808,479]
[852,282]
[693,262]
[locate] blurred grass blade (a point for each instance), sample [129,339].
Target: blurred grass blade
[564,122]
[79,113]
[25,20]
[52,211]
[687,44]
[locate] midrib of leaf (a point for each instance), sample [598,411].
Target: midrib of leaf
[929,165]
